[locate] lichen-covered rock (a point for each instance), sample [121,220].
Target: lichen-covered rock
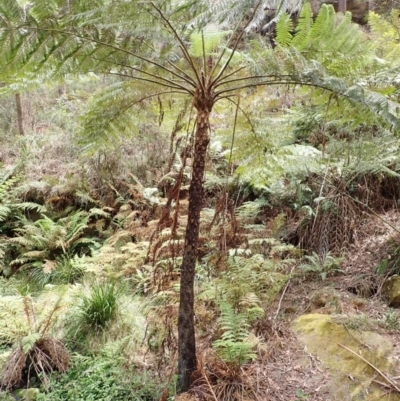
[352,378]
[391,291]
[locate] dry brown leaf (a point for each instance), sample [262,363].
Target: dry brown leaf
[48,266]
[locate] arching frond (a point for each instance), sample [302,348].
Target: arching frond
[114,112]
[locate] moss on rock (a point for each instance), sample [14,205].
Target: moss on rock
[391,291]
[352,378]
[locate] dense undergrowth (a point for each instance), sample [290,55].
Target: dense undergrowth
[90,245]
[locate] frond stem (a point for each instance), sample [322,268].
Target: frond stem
[181,44]
[224,82]
[99,42]
[172,84]
[278,82]
[225,66]
[228,97]
[119,74]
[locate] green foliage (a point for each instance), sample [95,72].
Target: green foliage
[391,320]
[232,347]
[12,211]
[103,378]
[332,39]
[324,266]
[229,12]
[206,42]
[248,280]
[30,326]
[21,316]
[385,35]
[63,270]
[390,265]
[40,243]
[96,309]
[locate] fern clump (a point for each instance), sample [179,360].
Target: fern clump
[46,244]
[31,328]
[232,347]
[323,265]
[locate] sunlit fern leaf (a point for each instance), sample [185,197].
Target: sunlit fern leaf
[284,28]
[303,27]
[29,341]
[208,39]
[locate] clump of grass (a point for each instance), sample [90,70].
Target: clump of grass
[97,309]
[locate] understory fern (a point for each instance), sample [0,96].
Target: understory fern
[232,347]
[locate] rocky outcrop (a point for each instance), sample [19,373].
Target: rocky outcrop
[344,353]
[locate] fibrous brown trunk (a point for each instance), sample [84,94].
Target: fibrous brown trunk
[186,334]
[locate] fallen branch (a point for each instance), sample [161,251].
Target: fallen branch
[387,378]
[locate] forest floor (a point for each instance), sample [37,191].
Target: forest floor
[353,296]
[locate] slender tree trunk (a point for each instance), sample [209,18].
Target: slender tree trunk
[20,116]
[186,335]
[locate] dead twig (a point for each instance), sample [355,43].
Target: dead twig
[211,389]
[387,378]
[283,293]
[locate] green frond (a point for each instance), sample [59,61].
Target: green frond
[4,212]
[113,113]
[208,39]
[232,347]
[385,35]
[303,27]
[284,28]
[332,40]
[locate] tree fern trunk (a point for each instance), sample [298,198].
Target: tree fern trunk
[186,334]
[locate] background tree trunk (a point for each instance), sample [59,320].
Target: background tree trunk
[186,333]
[342,6]
[20,116]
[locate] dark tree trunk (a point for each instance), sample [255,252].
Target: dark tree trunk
[20,117]
[186,334]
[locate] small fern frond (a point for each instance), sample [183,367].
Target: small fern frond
[284,28]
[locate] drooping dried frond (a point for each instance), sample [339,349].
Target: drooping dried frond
[331,229]
[40,359]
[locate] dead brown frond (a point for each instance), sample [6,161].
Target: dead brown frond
[378,193]
[215,380]
[332,227]
[12,373]
[45,356]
